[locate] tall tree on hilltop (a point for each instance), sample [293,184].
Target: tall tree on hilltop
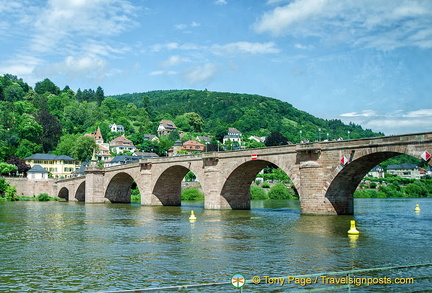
[45,86]
[99,96]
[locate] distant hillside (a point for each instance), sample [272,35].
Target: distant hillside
[251,114]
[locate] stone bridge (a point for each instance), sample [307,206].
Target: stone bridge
[325,184]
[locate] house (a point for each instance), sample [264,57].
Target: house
[233,135]
[151,137]
[405,170]
[376,172]
[37,172]
[59,166]
[257,139]
[97,136]
[121,144]
[204,139]
[102,153]
[116,128]
[121,160]
[193,146]
[166,127]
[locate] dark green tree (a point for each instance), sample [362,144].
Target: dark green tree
[46,86]
[99,96]
[275,138]
[51,130]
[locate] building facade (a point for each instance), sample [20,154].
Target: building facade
[59,166]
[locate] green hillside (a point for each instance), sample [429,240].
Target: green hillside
[47,119]
[251,114]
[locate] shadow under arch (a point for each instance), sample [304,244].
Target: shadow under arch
[340,193]
[168,186]
[236,189]
[119,188]
[64,193]
[80,193]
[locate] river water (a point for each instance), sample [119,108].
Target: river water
[77,247]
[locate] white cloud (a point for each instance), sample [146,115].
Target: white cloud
[201,73]
[303,47]
[90,67]
[368,23]
[220,2]
[174,61]
[245,47]
[397,122]
[163,72]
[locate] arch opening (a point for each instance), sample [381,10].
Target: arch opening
[119,188]
[341,190]
[80,193]
[168,187]
[237,187]
[64,193]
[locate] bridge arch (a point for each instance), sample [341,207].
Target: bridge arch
[344,181]
[236,188]
[64,193]
[167,188]
[119,188]
[80,193]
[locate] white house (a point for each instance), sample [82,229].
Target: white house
[37,172]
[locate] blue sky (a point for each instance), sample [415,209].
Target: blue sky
[369,61]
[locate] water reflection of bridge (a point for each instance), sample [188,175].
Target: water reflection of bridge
[324,183]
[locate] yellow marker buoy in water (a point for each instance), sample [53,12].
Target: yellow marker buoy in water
[353,230]
[192,217]
[417,208]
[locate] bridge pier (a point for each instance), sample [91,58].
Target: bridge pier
[94,185]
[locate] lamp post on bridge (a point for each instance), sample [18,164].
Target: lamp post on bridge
[300,136]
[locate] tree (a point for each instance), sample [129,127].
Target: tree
[84,148]
[26,148]
[46,86]
[6,168]
[29,129]
[13,93]
[22,166]
[51,130]
[66,144]
[99,95]
[195,121]
[275,138]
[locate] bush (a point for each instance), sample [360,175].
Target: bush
[279,191]
[43,197]
[416,190]
[368,193]
[372,185]
[191,194]
[257,193]
[265,185]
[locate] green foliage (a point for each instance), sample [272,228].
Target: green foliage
[265,185]
[6,168]
[275,138]
[192,194]
[279,191]
[190,176]
[416,189]
[43,197]
[83,148]
[46,86]
[135,195]
[257,193]
[368,193]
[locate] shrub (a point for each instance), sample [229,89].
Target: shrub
[279,191]
[372,185]
[265,185]
[257,193]
[368,193]
[416,190]
[191,194]
[43,197]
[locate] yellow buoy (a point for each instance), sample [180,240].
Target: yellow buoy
[417,208]
[192,217]
[353,230]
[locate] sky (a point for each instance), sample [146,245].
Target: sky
[368,62]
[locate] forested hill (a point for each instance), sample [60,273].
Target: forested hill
[251,114]
[48,119]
